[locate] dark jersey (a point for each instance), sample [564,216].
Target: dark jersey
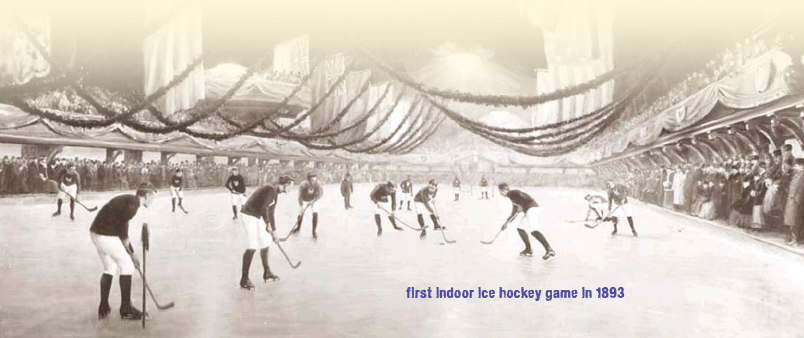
[484,182]
[175,181]
[310,191]
[381,193]
[112,219]
[68,179]
[236,184]
[424,196]
[406,186]
[262,203]
[618,195]
[521,201]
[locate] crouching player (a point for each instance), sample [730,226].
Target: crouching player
[260,205]
[525,204]
[109,233]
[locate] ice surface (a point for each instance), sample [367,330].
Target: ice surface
[682,278]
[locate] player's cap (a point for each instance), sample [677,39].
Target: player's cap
[432,182]
[70,165]
[787,147]
[390,184]
[178,170]
[234,169]
[777,152]
[285,180]
[503,186]
[587,197]
[311,175]
[799,161]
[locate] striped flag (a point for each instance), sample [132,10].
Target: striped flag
[323,79]
[293,56]
[354,84]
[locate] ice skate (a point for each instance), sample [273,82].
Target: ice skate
[131,313]
[246,284]
[269,277]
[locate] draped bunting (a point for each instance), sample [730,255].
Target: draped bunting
[759,82]
[169,51]
[23,127]
[20,61]
[256,89]
[354,83]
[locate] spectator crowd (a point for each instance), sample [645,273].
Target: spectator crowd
[757,192]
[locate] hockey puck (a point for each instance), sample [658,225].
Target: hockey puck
[440,243]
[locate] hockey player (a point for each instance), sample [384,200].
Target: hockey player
[456,186]
[597,208]
[237,187]
[261,205]
[425,204]
[407,192]
[347,188]
[109,233]
[525,204]
[484,187]
[309,193]
[69,185]
[379,196]
[618,194]
[176,189]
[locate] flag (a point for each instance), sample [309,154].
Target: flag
[355,82]
[374,95]
[293,56]
[20,60]
[169,51]
[578,43]
[323,79]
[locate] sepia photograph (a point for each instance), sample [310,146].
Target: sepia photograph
[280,168]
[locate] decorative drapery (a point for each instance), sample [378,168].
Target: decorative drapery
[169,50]
[759,82]
[20,61]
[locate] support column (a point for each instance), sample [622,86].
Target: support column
[165,157]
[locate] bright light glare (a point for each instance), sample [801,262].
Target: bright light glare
[464,63]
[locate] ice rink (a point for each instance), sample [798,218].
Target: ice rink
[681,277]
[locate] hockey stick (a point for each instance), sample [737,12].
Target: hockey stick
[296,225]
[92,209]
[445,236]
[182,209]
[158,306]
[493,239]
[597,222]
[401,221]
[435,208]
[294,266]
